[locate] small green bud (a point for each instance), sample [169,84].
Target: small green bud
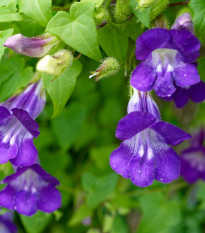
[55,64]
[145,3]
[108,67]
[101,15]
[122,11]
[158,7]
[161,22]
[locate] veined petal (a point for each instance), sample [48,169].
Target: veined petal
[185,75]
[143,77]
[26,121]
[170,133]
[133,123]
[27,153]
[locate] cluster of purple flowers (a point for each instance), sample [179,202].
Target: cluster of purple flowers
[30,188]
[168,66]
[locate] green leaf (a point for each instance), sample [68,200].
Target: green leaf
[39,10]
[3,36]
[158,213]
[98,188]
[13,76]
[98,3]
[78,216]
[198,7]
[119,225]
[36,223]
[143,15]
[77,29]
[68,124]
[62,87]
[113,43]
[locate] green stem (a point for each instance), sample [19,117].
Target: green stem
[179,3]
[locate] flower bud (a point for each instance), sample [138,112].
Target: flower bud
[157,8]
[184,22]
[161,22]
[31,46]
[145,3]
[108,67]
[55,64]
[101,15]
[122,11]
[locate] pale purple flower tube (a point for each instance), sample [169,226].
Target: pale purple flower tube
[31,46]
[18,127]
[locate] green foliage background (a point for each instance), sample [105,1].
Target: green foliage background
[78,136]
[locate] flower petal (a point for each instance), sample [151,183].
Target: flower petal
[26,203]
[27,153]
[172,134]
[120,158]
[143,77]
[164,85]
[7,196]
[168,166]
[197,92]
[151,40]
[181,97]
[187,44]
[142,171]
[189,173]
[4,113]
[185,75]
[7,152]
[133,123]
[50,199]
[26,121]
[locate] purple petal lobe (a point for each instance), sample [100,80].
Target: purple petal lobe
[7,197]
[120,158]
[168,166]
[26,121]
[184,22]
[7,152]
[50,199]
[181,97]
[164,84]
[133,123]
[27,153]
[4,113]
[151,40]
[185,75]
[197,92]
[26,203]
[142,171]
[172,134]
[143,77]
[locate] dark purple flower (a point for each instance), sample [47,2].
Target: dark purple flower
[17,125]
[193,159]
[6,224]
[195,92]
[30,189]
[144,154]
[167,57]
[33,47]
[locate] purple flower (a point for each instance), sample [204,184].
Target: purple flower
[34,47]
[17,125]
[30,189]
[6,224]
[193,159]
[167,57]
[184,22]
[144,154]
[195,92]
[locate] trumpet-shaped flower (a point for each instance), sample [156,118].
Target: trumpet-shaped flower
[17,125]
[145,154]
[30,189]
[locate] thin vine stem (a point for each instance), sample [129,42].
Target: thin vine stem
[179,3]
